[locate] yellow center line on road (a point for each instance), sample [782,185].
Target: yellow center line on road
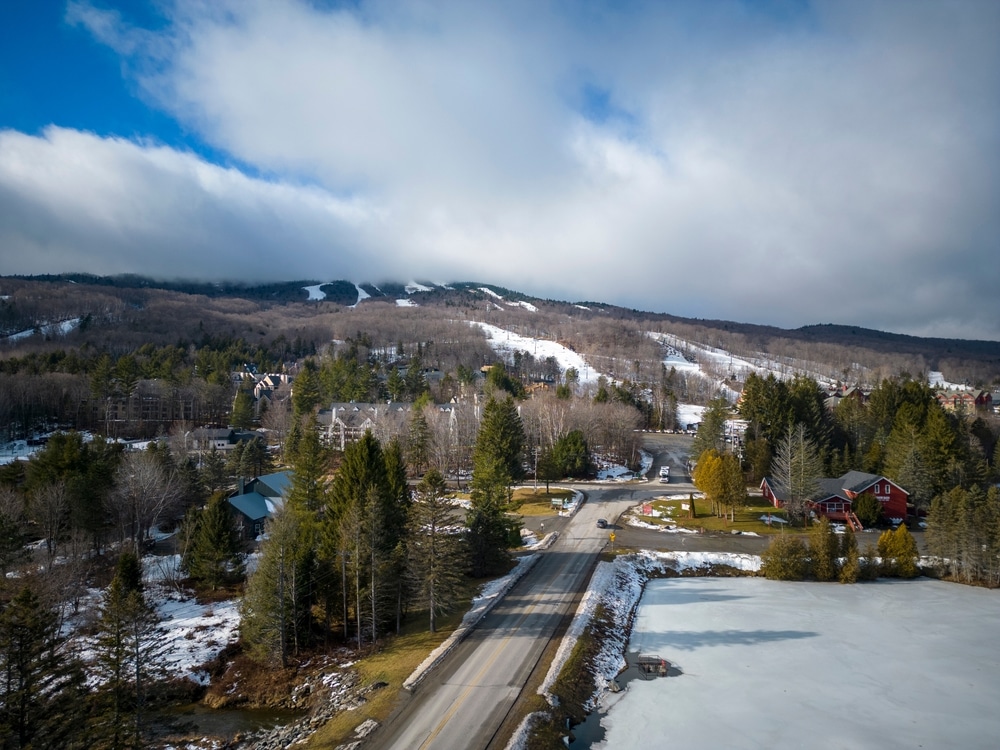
[486,667]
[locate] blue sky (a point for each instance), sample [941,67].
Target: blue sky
[775,162]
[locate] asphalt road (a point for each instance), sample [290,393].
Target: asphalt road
[463,703]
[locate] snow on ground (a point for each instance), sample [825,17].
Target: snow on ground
[314,292]
[617,586]
[490,292]
[936,379]
[415,287]
[406,302]
[362,294]
[18,450]
[689,414]
[740,366]
[506,341]
[48,329]
[902,664]
[193,633]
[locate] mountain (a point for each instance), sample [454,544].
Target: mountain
[49,313]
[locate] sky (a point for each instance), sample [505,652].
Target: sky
[783,162]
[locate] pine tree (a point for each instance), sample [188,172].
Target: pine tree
[215,552]
[711,431]
[213,470]
[361,473]
[395,511]
[267,622]
[497,462]
[824,549]
[242,416]
[500,440]
[309,467]
[418,441]
[437,554]
[41,682]
[571,454]
[129,649]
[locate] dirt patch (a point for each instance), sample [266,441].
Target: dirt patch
[246,683]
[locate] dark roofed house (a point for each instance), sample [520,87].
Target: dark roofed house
[835,495]
[257,500]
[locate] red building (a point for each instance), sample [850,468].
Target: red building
[835,496]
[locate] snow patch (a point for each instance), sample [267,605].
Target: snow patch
[506,341]
[315,293]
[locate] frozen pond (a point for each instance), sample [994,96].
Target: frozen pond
[766,664]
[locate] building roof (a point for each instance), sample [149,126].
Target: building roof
[853,482]
[273,485]
[858,481]
[265,494]
[253,505]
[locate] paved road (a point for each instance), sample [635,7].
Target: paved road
[464,701]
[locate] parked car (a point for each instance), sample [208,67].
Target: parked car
[664,473]
[602,523]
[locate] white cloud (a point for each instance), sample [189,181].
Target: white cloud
[778,164]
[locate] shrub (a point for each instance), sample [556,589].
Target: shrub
[868,509]
[786,559]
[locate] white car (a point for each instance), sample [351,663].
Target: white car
[664,473]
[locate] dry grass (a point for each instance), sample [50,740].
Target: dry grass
[391,664]
[527,502]
[747,518]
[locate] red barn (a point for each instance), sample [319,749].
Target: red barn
[836,495]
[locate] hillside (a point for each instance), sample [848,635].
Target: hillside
[40,315]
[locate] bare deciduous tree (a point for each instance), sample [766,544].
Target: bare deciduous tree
[144,492]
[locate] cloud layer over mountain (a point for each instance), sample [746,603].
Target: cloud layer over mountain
[785,163]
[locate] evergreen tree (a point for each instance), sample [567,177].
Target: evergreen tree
[571,455]
[437,555]
[395,513]
[215,553]
[712,430]
[309,467]
[785,559]
[868,509]
[41,683]
[306,394]
[899,554]
[129,648]
[850,569]
[501,439]
[418,442]
[267,612]
[255,459]
[213,470]
[497,462]
[242,416]
[824,551]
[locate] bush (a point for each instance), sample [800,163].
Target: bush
[824,549]
[868,509]
[899,554]
[786,559]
